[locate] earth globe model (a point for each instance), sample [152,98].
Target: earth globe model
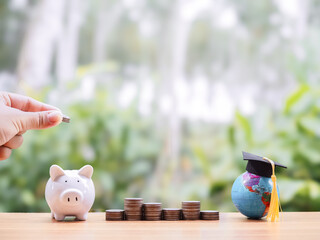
[251,191]
[251,195]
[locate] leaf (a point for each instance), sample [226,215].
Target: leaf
[245,124]
[295,97]
[203,159]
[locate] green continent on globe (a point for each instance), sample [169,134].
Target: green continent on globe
[251,182]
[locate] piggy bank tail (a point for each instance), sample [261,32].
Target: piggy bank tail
[273,214]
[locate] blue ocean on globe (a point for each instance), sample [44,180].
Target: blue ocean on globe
[251,195]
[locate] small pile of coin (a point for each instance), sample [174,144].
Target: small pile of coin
[114,215]
[133,209]
[171,214]
[191,210]
[209,215]
[152,211]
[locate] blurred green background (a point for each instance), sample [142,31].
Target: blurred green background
[163,97]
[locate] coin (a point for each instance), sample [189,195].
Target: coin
[152,211]
[114,215]
[133,208]
[65,119]
[209,215]
[136,210]
[191,210]
[171,214]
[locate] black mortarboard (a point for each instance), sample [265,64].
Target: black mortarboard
[259,165]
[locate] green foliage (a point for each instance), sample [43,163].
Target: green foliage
[295,97]
[111,140]
[292,139]
[131,153]
[124,149]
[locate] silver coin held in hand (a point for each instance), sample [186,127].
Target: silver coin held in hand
[65,119]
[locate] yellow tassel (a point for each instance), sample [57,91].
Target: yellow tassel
[273,214]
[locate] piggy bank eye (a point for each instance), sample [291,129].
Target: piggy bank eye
[65,181]
[78,181]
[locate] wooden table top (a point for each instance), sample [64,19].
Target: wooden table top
[298,225]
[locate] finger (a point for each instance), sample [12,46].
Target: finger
[37,120]
[4,152]
[14,142]
[26,104]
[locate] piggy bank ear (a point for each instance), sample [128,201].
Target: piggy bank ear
[86,171]
[56,171]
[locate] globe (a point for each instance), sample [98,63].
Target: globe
[251,195]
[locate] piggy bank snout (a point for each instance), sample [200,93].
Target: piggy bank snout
[71,197]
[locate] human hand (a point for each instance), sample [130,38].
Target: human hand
[20,113]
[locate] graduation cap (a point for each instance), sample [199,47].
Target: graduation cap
[265,167]
[259,165]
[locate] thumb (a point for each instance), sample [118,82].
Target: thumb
[39,120]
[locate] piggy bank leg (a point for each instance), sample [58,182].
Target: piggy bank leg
[82,217]
[58,217]
[52,215]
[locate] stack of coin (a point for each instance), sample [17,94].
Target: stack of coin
[209,215]
[191,210]
[133,209]
[114,215]
[152,211]
[171,214]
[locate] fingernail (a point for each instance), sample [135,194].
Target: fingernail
[54,117]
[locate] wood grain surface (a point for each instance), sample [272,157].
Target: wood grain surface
[300,225]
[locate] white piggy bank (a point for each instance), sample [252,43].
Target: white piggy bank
[70,192]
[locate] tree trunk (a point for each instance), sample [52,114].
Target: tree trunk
[35,59]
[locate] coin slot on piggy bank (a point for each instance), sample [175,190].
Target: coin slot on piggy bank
[70,192]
